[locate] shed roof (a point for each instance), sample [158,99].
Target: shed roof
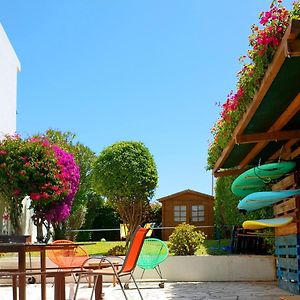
[270,128]
[185,192]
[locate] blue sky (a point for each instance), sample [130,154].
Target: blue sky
[147,71]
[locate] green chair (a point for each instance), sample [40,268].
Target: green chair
[153,253]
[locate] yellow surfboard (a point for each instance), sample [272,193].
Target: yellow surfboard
[264,223]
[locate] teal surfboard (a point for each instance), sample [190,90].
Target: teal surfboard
[264,223]
[255,179]
[262,199]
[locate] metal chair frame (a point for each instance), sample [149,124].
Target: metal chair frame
[153,260]
[128,265]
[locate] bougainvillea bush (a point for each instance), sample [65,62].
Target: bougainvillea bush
[264,41]
[59,210]
[36,168]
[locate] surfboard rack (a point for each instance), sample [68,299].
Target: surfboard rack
[248,242]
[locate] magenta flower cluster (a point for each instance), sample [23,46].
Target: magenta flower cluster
[70,173]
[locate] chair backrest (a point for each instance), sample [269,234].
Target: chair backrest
[153,253]
[69,257]
[135,247]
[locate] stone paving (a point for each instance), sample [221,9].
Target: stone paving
[172,290]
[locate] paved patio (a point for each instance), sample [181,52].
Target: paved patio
[172,290]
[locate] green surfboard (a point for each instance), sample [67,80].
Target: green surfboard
[255,179]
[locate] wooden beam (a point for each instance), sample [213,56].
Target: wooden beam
[267,136]
[284,118]
[287,115]
[293,30]
[295,153]
[284,151]
[284,184]
[293,47]
[282,52]
[222,173]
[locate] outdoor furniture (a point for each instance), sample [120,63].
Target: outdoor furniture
[13,276]
[67,258]
[127,267]
[21,249]
[153,253]
[20,272]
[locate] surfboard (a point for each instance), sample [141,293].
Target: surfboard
[259,200]
[264,223]
[255,179]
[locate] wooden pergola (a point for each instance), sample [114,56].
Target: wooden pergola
[270,128]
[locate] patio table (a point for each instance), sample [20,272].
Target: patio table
[21,249]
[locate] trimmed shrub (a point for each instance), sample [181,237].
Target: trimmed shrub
[185,240]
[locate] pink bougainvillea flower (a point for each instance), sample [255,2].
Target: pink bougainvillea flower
[70,175]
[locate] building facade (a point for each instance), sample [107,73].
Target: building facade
[9,68]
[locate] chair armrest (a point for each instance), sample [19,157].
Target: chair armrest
[101,262]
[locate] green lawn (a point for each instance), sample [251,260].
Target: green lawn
[211,247]
[101,248]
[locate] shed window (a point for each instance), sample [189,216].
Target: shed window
[179,213]
[197,213]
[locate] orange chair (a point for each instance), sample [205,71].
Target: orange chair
[68,258]
[128,264]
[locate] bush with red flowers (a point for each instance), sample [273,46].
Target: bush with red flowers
[264,41]
[47,174]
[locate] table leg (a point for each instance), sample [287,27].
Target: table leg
[59,286]
[15,285]
[98,288]
[43,276]
[22,278]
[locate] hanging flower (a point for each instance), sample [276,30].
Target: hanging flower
[264,41]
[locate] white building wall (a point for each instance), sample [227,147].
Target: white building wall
[9,67]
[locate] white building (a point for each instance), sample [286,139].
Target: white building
[9,67]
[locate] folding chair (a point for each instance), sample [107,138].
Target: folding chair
[127,267]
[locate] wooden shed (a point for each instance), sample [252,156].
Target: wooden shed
[187,206]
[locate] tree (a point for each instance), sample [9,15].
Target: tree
[84,157]
[126,174]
